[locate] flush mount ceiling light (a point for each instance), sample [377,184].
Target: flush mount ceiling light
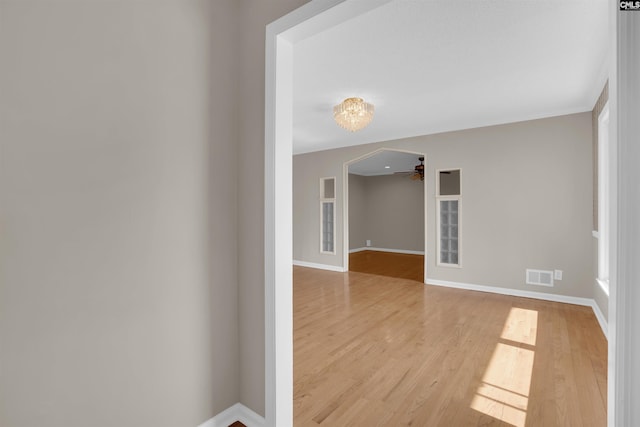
[353,114]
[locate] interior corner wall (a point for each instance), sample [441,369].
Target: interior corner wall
[118,262]
[255,15]
[357,211]
[388,210]
[526,201]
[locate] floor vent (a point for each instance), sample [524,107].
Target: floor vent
[540,277]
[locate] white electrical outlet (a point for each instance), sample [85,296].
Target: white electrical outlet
[368,242]
[557,274]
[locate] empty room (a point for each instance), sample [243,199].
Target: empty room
[479,299]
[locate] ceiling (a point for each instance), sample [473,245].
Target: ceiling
[433,66]
[397,161]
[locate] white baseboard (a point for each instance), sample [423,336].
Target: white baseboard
[337,268]
[588,302]
[601,320]
[237,412]
[396,251]
[352,251]
[512,292]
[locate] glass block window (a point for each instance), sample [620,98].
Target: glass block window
[448,202]
[449,231]
[327,226]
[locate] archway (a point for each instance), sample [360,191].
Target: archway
[346,229]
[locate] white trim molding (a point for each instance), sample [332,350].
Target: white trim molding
[606,186]
[624,318]
[587,302]
[309,19]
[439,200]
[601,319]
[324,199]
[512,292]
[237,412]
[328,267]
[353,251]
[604,285]
[395,251]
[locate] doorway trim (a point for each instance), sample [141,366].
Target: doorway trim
[280,37]
[345,203]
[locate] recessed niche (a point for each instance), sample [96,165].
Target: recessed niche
[449,182]
[328,188]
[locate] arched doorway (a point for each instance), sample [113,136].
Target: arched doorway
[405,229]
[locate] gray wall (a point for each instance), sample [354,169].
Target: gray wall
[526,201]
[388,210]
[118,296]
[357,210]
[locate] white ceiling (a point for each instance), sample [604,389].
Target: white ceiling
[397,161]
[432,66]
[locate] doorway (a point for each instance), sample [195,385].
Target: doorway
[385,214]
[310,19]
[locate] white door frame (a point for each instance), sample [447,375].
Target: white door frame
[624,318]
[624,295]
[345,204]
[281,35]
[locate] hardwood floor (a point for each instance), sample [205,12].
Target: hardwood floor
[403,266]
[378,351]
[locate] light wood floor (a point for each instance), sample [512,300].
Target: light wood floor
[403,266]
[378,351]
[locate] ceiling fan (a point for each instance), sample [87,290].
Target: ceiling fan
[417,173]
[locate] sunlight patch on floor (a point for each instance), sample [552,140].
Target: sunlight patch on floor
[499,410]
[521,326]
[504,391]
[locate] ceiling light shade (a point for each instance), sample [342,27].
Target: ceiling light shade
[353,114]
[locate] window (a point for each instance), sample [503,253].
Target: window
[604,195]
[327,215]
[448,217]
